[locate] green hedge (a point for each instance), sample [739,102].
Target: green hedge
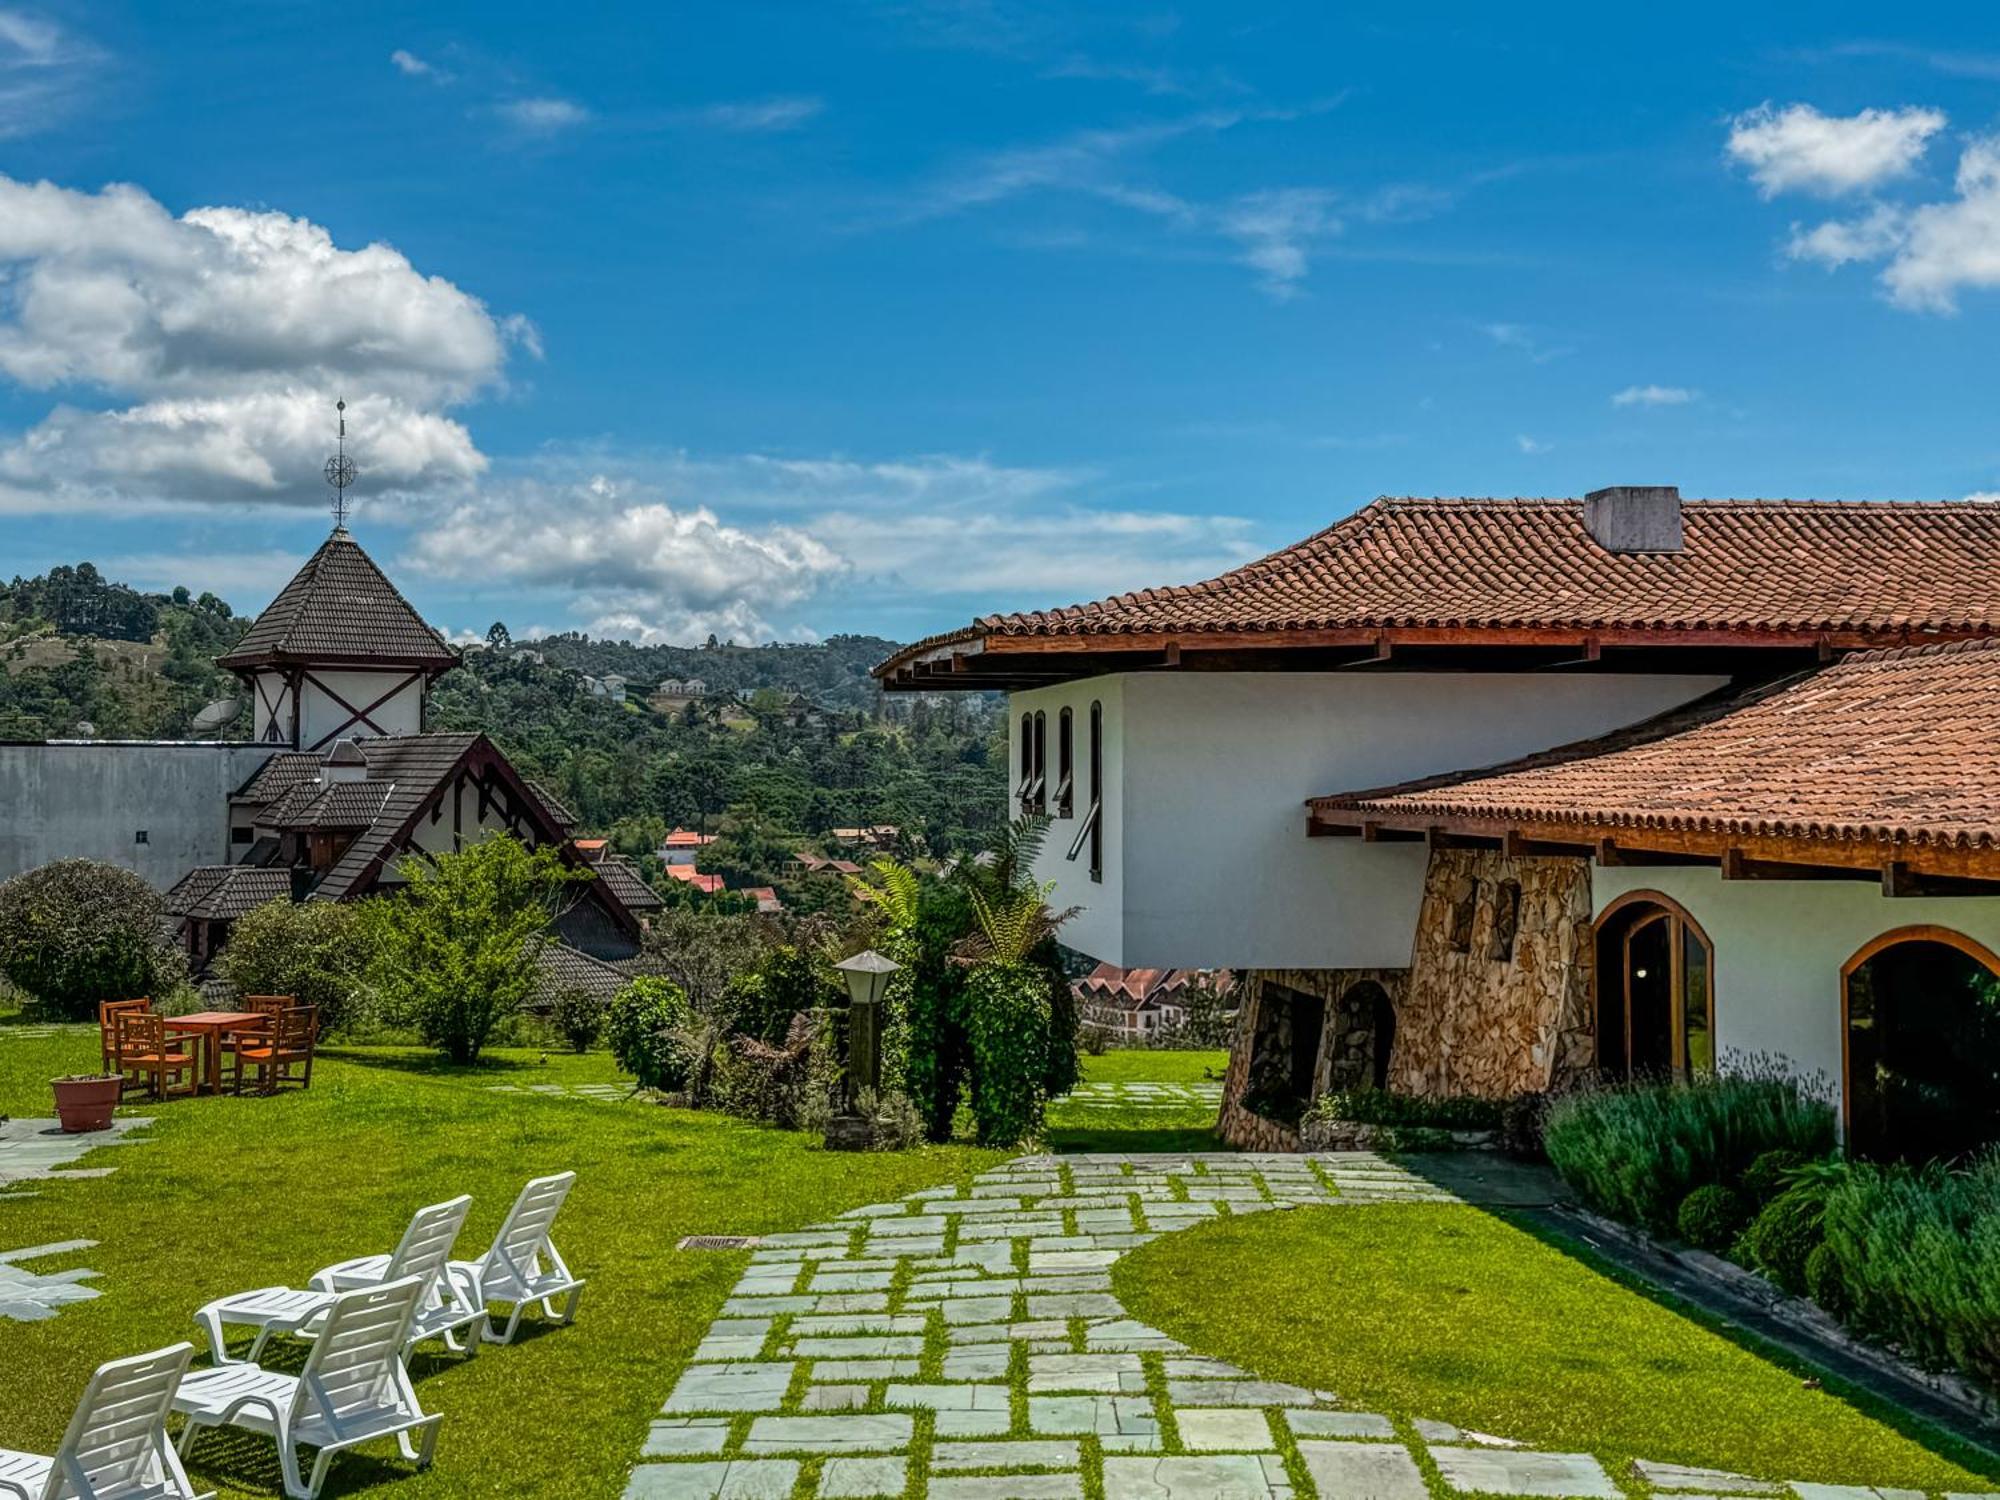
[1635,1152]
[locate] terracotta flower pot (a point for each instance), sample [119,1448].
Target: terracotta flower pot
[85,1102]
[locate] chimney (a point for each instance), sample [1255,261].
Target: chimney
[1634,517]
[345,762]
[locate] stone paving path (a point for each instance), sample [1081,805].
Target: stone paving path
[603,1093]
[37,1149]
[27,1296]
[1160,1096]
[966,1345]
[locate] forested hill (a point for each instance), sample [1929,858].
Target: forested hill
[833,673]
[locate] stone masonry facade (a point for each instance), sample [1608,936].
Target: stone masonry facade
[1495,1002]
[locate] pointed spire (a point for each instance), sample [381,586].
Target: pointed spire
[339,470]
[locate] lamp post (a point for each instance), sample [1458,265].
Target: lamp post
[867,975]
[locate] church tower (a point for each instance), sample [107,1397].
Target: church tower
[339,654]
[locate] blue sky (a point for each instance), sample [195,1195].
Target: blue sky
[782,320]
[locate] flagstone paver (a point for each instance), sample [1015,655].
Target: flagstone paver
[964,1343]
[32,1150]
[600,1093]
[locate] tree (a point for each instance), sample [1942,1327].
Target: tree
[314,951]
[76,932]
[457,950]
[497,637]
[1009,1012]
[653,1033]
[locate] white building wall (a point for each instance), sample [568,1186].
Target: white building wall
[1780,945]
[322,715]
[437,838]
[91,800]
[1207,863]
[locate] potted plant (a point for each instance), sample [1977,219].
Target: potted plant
[84,1101]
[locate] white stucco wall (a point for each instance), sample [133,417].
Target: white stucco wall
[71,800]
[320,715]
[1780,944]
[436,838]
[1207,863]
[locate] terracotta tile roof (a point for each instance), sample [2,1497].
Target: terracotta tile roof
[339,607]
[689,875]
[222,893]
[1883,747]
[1883,568]
[687,838]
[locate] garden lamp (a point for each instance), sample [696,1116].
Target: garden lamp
[867,976]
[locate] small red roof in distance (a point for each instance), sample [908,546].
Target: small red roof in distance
[339,607]
[687,838]
[1883,747]
[1885,568]
[590,846]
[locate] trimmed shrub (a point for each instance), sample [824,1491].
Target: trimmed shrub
[579,1016]
[650,1025]
[1380,1107]
[1007,1007]
[1710,1217]
[1785,1233]
[313,951]
[1635,1151]
[75,932]
[1523,1120]
[1767,1176]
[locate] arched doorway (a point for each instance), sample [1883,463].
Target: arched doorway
[1655,990]
[1366,1003]
[1920,1009]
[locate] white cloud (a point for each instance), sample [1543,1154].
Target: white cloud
[1932,251]
[227,334]
[1531,446]
[1799,149]
[243,579]
[756,116]
[412,66]
[1525,340]
[1276,230]
[1654,395]
[44,70]
[544,115]
[745,546]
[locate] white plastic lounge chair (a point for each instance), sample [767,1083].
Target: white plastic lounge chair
[116,1447]
[523,1265]
[423,1252]
[352,1390]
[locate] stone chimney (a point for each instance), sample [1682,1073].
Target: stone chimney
[345,762]
[1634,517]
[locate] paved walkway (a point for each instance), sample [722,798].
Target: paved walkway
[602,1093]
[966,1345]
[33,1149]
[1160,1096]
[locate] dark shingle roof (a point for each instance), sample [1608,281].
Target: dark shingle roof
[414,766]
[562,968]
[622,878]
[225,892]
[1882,569]
[339,607]
[343,804]
[1886,747]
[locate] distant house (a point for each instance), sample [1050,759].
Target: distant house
[708,885]
[610,685]
[766,898]
[681,687]
[805,862]
[1142,1003]
[683,846]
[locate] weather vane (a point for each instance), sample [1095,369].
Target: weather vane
[339,470]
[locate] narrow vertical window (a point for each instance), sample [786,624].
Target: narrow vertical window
[1039,787]
[1096,823]
[1506,921]
[1065,764]
[1024,790]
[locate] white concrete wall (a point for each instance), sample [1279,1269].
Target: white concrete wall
[91,800]
[1207,863]
[1097,928]
[321,715]
[1780,944]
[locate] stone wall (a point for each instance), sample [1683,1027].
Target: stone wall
[1486,1011]
[1260,1056]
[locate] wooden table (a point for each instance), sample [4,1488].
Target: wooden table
[210,1026]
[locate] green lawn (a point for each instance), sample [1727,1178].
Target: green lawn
[238,1193]
[1454,1313]
[1080,1125]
